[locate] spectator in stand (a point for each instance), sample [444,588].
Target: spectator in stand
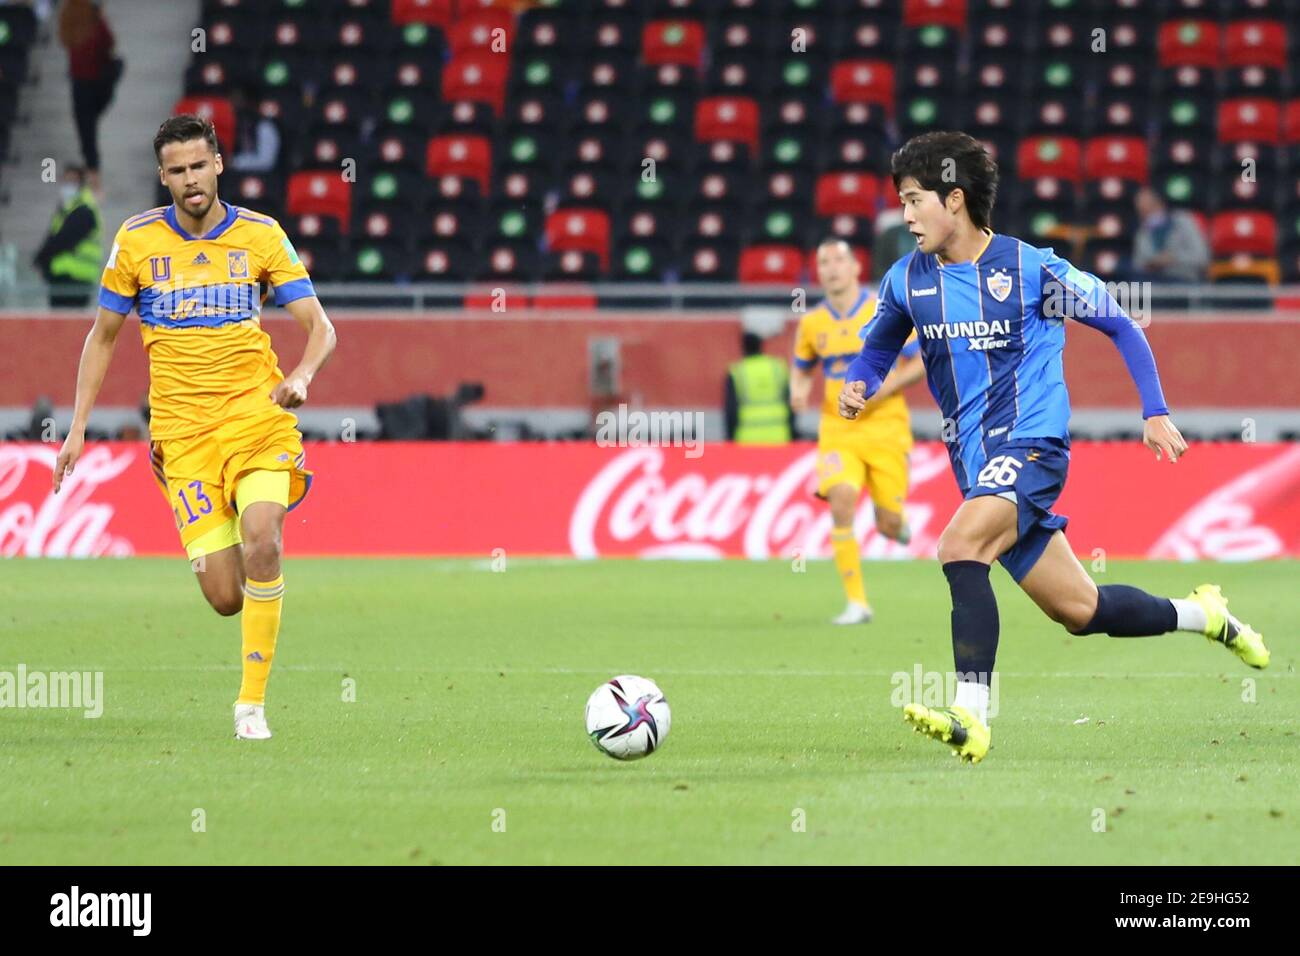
[256,148]
[1168,246]
[94,69]
[71,258]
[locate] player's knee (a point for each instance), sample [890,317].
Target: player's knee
[842,517]
[227,603]
[1074,616]
[844,502]
[955,545]
[262,550]
[889,523]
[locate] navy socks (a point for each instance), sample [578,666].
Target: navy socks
[974,620]
[1124,611]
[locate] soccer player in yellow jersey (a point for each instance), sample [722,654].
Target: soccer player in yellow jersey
[872,449]
[225,450]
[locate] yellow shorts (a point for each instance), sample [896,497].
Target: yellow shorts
[880,466]
[203,477]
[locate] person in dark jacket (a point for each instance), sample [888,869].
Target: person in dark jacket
[94,69]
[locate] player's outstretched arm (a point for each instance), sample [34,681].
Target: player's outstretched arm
[96,354]
[1084,297]
[310,314]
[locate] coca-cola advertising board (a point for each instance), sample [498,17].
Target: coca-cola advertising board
[1222,501]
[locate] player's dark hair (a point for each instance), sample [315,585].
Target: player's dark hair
[751,343]
[182,129]
[944,161]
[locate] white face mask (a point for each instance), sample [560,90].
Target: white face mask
[69,191]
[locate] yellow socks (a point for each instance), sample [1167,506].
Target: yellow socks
[260,624]
[848,563]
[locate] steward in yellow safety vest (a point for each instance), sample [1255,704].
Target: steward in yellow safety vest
[758,397]
[72,258]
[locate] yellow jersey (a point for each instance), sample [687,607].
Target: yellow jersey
[200,301]
[835,340]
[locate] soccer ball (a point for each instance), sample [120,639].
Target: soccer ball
[627,717]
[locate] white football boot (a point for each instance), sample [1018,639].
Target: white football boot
[854,613]
[250,722]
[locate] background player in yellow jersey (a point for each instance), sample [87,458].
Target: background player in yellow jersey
[872,450]
[225,450]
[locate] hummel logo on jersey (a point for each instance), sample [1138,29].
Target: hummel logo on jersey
[200,260]
[933,290]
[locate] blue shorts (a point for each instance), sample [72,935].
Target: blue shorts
[1030,473]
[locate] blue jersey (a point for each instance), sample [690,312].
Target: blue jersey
[992,336]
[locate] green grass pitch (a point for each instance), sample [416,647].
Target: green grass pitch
[465,742]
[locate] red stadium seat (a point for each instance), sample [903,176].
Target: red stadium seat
[1122,156]
[477,75]
[848,192]
[863,81]
[217,111]
[460,155]
[1291,123]
[673,41]
[582,230]
[439,13]
[727,118]
[1058,157]
[1189,43]
[771,264]
[1253,233]
[949,13]
[478,31]
[1255,43]
[322,192]
[1250,121]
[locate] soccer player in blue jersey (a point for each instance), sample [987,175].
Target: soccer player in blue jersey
[989,313]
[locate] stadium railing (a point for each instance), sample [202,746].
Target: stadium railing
[673,300]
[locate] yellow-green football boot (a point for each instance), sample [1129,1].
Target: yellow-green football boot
[955,726]
[1222,628]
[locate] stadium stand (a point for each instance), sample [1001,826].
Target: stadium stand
[719,139]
